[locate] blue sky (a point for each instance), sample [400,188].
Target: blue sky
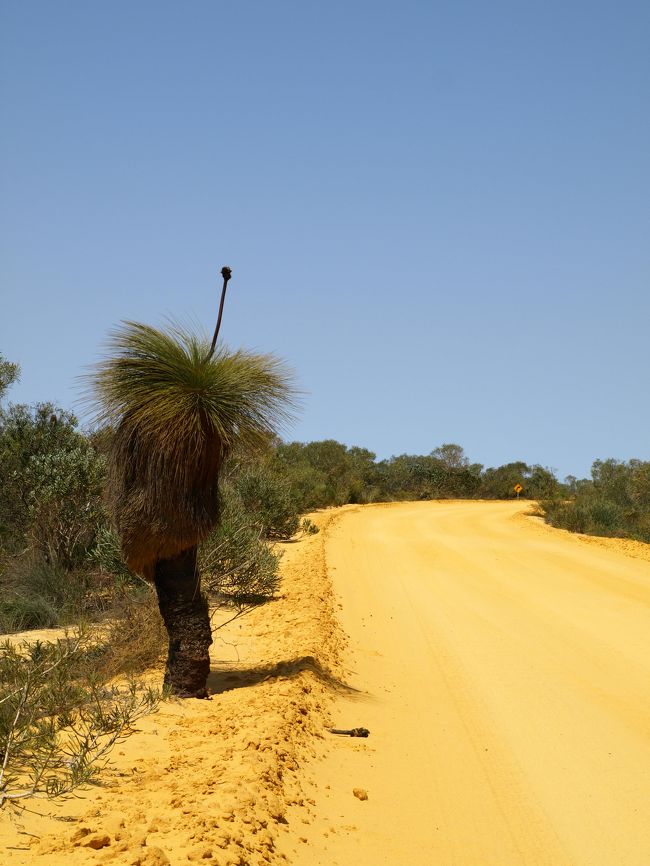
[438,213]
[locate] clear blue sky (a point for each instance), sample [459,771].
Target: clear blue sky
[438,213]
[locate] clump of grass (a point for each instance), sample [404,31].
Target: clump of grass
[308,527]
[21,613]
[41,594]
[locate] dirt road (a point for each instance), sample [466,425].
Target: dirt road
[503,669]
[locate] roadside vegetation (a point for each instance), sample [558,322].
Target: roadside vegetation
[62,561]
[65,703]
[60,717]
[176,408]
[329,473]
[614,502]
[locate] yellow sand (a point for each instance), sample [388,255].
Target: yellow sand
[208,781]
[505,672]
[501,666]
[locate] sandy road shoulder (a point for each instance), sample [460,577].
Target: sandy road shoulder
[212,780]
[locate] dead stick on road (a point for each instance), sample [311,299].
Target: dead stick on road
[351,732]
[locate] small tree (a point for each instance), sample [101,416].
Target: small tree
[451,455]
[65,503]
[177,408]
[29,436]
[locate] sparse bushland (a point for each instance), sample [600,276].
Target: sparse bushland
[615,502]
[61,710]
[321,474]
[62,563]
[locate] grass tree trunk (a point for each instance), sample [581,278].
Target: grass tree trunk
[185,613]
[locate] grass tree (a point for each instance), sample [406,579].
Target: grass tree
[177,407]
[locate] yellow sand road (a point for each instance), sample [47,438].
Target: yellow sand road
[505,677]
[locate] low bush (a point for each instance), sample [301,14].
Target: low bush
[266,496]
[20,613]
[65,508]
[308,527]
[607,518]
[135,638]
[237,566]
[58,718]
[565,515]
[41,594]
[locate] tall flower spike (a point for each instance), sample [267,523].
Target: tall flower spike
[226,273]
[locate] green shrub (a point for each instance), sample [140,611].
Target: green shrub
[577,518]
[606,517]
[20,613]
[41,594]
[615,502]
[58,719]
[567,515]
[266,496]
[28,432]
[237,566]
[65,508]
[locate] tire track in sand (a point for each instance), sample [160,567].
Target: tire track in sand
[504,668]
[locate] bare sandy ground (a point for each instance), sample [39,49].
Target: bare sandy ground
[501,666]
[504,673]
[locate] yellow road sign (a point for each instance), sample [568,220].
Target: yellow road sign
[518,488]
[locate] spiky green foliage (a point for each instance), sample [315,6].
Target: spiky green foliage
[176,415]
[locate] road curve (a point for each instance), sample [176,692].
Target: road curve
[504,672]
